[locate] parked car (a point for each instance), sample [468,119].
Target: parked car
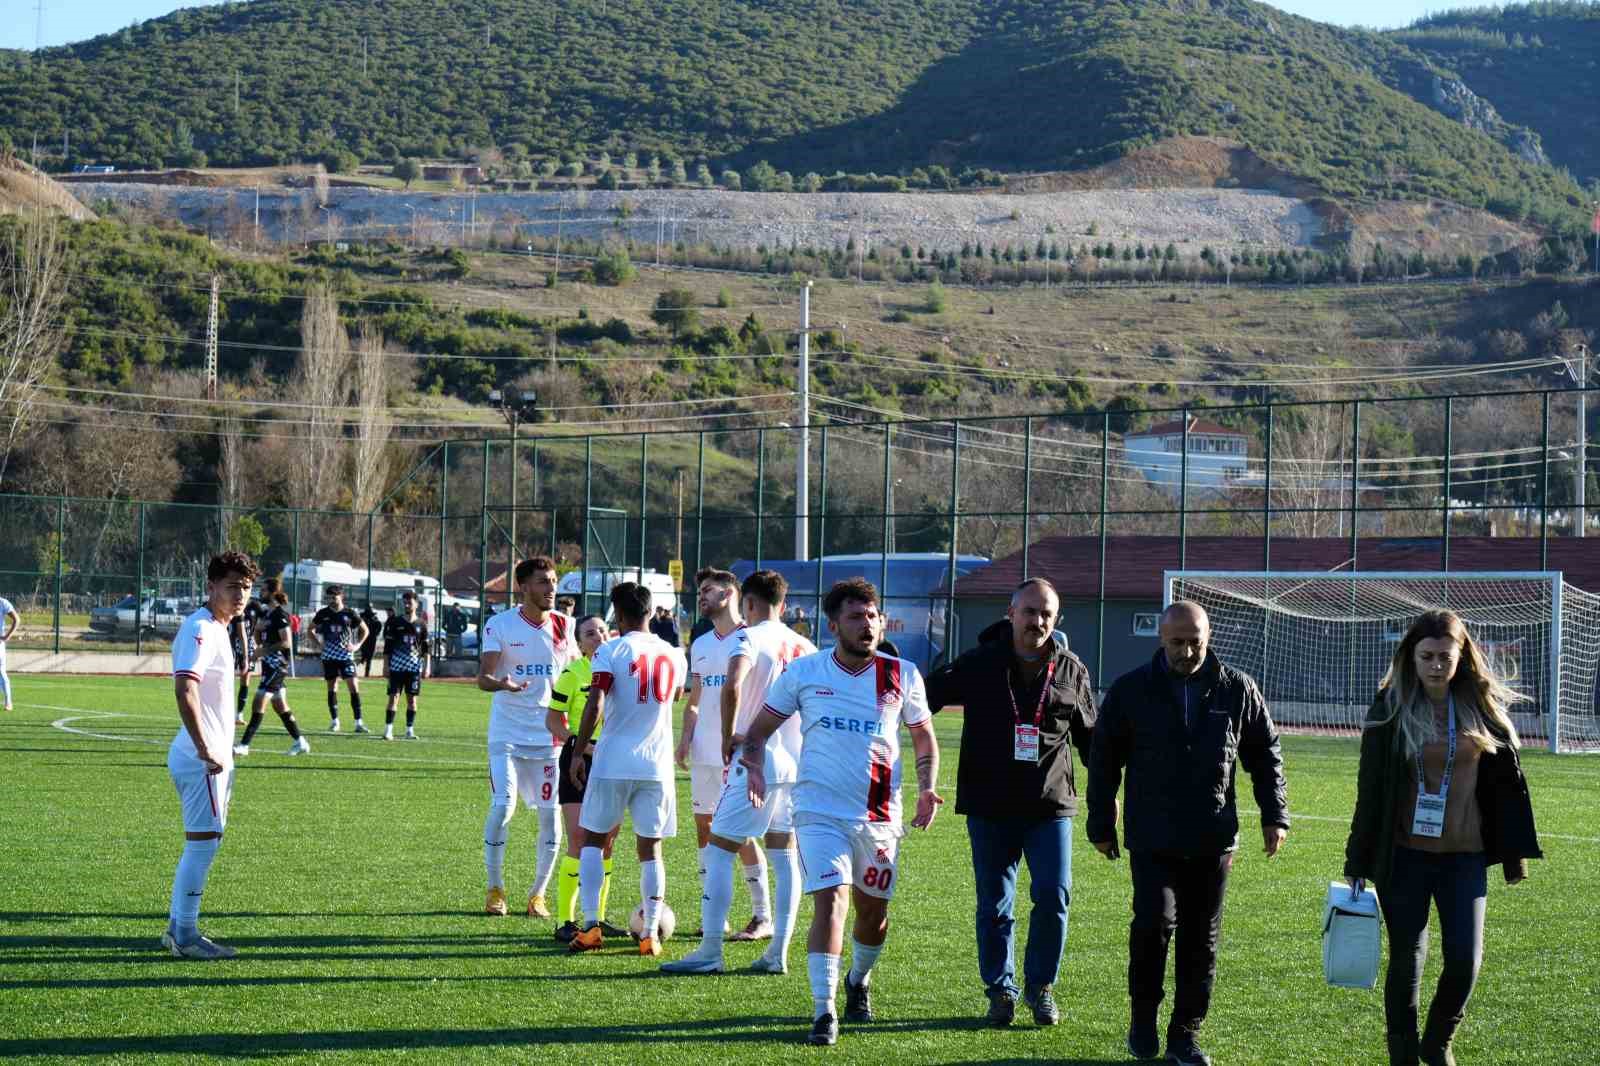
[158,614]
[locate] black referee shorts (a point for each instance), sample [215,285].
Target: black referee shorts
[566,792]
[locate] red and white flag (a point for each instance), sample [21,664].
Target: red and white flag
[1595,225]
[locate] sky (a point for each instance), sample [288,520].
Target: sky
[66,21]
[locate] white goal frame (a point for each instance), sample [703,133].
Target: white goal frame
[1564,674]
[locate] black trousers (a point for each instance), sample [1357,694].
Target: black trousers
[1179,894]
[1457,884]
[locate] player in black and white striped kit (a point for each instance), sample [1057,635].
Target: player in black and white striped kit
[405,644]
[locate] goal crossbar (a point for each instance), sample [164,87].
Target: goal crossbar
[1318,642]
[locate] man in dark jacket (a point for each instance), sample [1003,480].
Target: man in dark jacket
[1026,701]
[1178,725]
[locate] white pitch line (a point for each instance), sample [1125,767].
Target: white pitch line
[84,713]
[1293,815]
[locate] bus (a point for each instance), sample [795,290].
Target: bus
[913,600]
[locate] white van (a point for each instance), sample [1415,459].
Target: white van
[662,593]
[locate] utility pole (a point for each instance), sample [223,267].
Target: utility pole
[211,339]
[258,214]
[38,27]
[514,410]
[1595,225]
[802,474]
[363,55]
[1578,370]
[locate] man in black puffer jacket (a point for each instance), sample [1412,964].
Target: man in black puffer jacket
[1180,726]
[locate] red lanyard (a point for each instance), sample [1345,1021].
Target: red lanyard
[1044,692]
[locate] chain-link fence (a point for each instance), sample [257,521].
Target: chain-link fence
[946,516]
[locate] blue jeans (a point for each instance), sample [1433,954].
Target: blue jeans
[998,844]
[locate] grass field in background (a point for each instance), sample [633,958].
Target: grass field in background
[351,881]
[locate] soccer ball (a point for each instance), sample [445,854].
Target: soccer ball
[668,921]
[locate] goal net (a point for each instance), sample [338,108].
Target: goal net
[1318,643]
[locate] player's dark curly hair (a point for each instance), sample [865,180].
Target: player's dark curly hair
[528,567]
[854,590]
[631,600]
[229,563]
[768,586]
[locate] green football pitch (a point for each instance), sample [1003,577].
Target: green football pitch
[351,882]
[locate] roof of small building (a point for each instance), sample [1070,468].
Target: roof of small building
[1196,425]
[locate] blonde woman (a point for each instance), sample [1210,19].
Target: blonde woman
[1440,797]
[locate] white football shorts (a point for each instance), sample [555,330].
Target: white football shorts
[737,819]
[833,852]
[705,787]
[204,797]
[533,773]
[652,805]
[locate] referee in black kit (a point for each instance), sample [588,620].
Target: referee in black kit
[1026,703]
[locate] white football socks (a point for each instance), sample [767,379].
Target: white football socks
[824,971]
[188,885]
[755,875]
[652,890]
[786,899]
[591,874]
[549,848]
[717,899]
[494,844]
[862,959]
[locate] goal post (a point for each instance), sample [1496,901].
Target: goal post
[1319,642]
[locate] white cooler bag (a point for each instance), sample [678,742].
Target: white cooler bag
[1350,937]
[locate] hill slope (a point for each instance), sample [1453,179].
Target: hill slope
[806,84]
[1539,64]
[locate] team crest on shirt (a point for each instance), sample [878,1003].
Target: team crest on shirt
[889,701]
[549,771]
[883,854]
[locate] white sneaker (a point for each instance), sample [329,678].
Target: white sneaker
[768,962]
[200,948]
[411,734]
[701,960]
[241,750]
[301,746]
[388,733]
[361,727]
[333,727]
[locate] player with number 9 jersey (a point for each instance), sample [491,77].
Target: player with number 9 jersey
[532,652]
[850,728]
[768,647]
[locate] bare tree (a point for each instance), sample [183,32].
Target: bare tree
[230,461]
[370,459]
[319,382]
[31,291]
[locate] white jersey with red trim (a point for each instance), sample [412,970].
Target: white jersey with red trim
[708,660]
[535,652]
[770,646]
[850,724]
[203,652]
[641,675]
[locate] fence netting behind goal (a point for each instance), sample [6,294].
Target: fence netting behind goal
[1319,643]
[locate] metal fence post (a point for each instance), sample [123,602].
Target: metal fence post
[444,523]
[61,553]
[1183,495]
[1266,547]
[371,527]
[138,591]
[1027,490]
[1448,448]
[644,499]
[888,506]
[1355,484]
[1105,494]
[955,513]
[761,488]
[588,506]
[483,553]
[699,512]
[1544,486]
[822,533]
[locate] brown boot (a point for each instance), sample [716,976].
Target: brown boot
[1403,1049]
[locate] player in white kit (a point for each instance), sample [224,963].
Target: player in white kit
[200,758]
[524,651]
[706,739]
[851,703]
[765,646]
[637,677]
[9,621]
